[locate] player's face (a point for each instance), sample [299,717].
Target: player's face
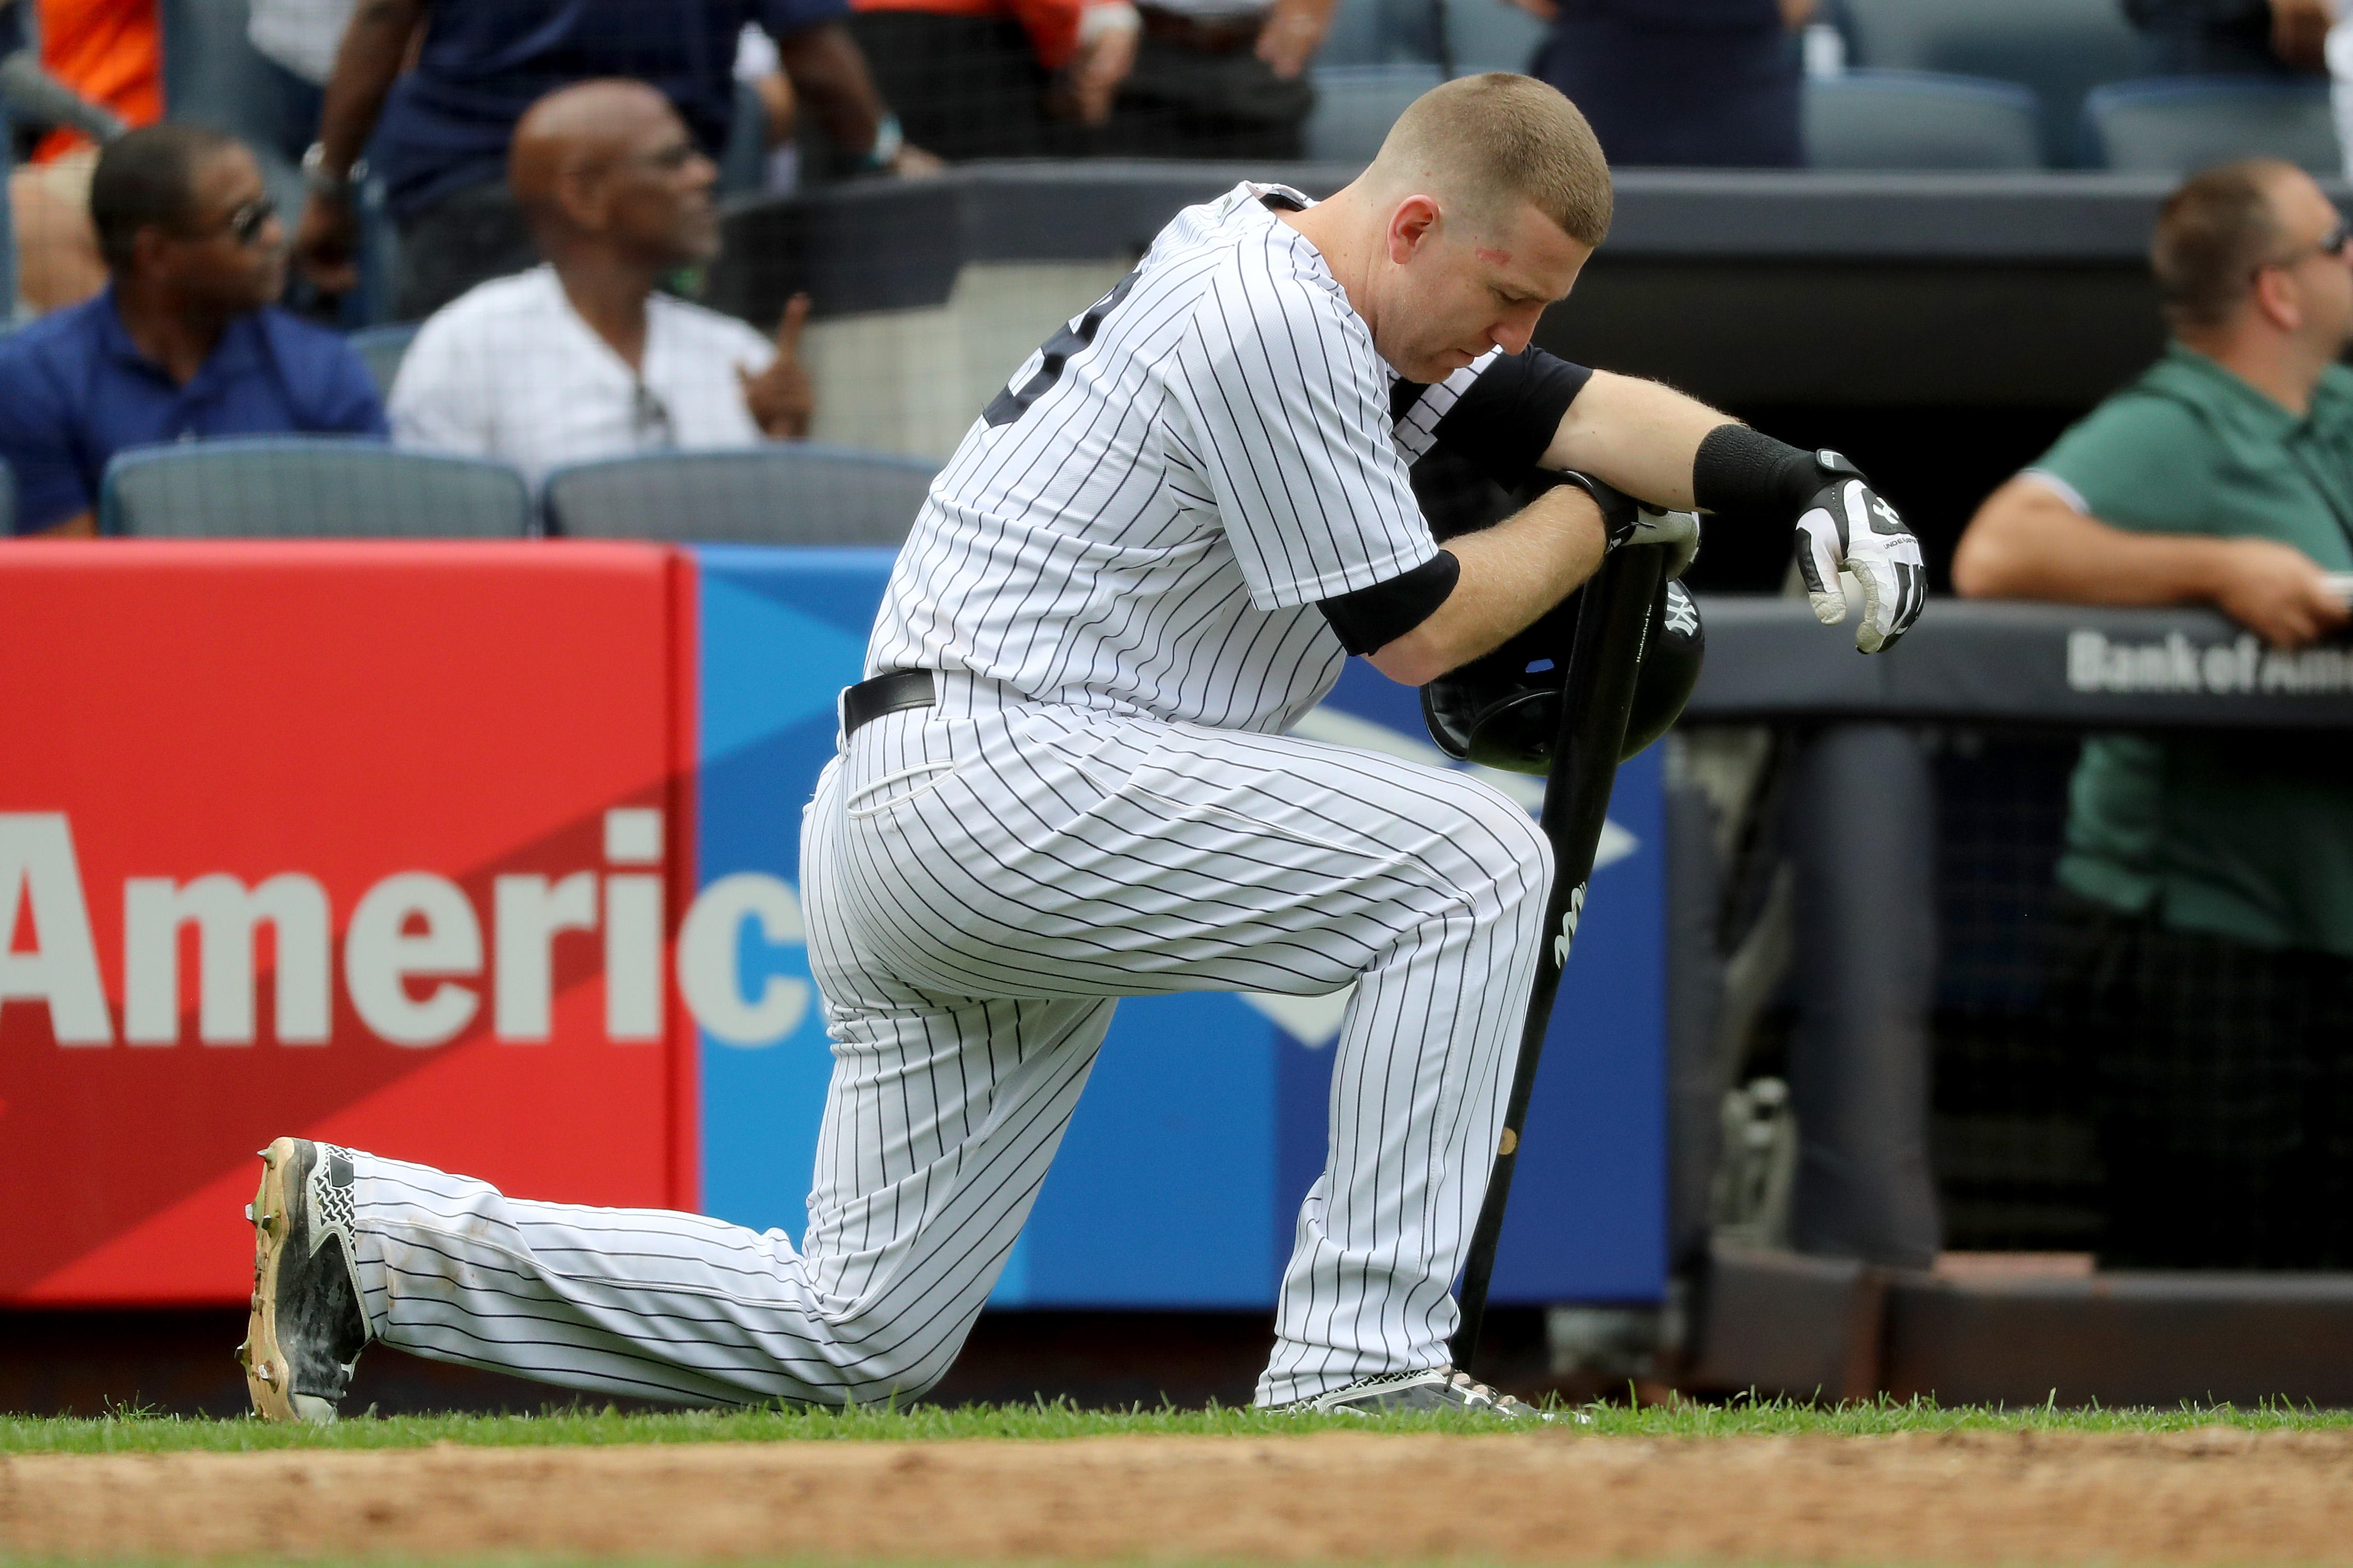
[1458,290]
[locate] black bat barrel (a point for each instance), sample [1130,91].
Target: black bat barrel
[1604,656]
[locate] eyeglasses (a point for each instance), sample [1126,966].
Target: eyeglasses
[244,222]
[2332,244]
[650,422]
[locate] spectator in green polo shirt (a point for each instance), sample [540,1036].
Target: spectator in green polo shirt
[2205,941]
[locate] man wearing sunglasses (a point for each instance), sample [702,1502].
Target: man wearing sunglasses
[2204,958]
[182,343]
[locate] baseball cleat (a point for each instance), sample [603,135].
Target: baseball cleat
[1432,1388]
[307,1330]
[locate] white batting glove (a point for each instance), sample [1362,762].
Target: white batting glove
[1847,527]
[1679,530]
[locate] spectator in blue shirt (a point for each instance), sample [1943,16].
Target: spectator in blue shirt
[1694,83]
[441,144]
[183,343]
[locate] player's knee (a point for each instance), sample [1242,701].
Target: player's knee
[1511,857]
[879,1359]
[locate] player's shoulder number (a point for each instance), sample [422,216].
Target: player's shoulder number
[1054,353]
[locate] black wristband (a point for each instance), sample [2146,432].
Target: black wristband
[1740,469]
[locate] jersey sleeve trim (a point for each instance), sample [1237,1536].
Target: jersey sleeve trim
[2058,487]
[1371,618]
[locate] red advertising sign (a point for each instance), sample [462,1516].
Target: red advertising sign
[381,843]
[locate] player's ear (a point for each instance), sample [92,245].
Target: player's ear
[1412,223]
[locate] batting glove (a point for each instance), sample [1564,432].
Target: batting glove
[1625,520]
[1678,531]
[1847,527]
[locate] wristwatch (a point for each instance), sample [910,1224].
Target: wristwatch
[887,140]
[322,181]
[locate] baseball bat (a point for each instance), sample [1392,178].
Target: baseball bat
[1613,618]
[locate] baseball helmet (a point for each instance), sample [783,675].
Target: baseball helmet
[1504,710]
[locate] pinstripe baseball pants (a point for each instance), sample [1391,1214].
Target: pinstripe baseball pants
[982,880]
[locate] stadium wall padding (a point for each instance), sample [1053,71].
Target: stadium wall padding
[509,837]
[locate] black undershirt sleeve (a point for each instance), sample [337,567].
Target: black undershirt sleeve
[1511,413]
[1371,618]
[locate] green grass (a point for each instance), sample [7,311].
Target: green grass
[136,1432]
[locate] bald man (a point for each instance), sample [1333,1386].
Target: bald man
[582,357]
[1067,780]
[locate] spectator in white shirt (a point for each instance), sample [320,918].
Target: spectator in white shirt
[581,357]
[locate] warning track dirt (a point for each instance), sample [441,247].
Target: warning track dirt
[2214,1495]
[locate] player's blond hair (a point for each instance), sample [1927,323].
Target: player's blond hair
[1496,139]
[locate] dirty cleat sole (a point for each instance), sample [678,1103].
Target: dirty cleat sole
[287,1256]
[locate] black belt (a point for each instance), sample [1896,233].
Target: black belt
[890,693]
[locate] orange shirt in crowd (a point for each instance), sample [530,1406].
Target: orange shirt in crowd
[1052,24]
[110,52]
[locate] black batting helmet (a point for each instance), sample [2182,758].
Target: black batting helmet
[1504,710]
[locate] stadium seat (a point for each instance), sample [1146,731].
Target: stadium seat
[1356,106]
[783,494]
[1409,28]
[2059,49]
[298,486]
[1491,36]
[381,348]
[1920,119]
[7,500]
[2176,124]
[1356,37]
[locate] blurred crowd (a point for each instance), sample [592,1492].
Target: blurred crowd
[537,180]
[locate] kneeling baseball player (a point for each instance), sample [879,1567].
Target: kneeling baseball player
[1066,779]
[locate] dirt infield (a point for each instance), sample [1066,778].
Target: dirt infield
[2209,1496]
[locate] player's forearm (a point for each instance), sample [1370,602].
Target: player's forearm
[2027,544]
[1636,434]
[375,45]
[1512,573]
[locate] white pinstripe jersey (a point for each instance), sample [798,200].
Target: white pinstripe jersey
[1146,517]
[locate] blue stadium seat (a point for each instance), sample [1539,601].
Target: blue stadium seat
[307,487]
[7,500]
[787,493]
[2178,123]
[1492,36]
[1356,37]
[1920,119]
[1356,106]
[381,349]
[2059,49]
